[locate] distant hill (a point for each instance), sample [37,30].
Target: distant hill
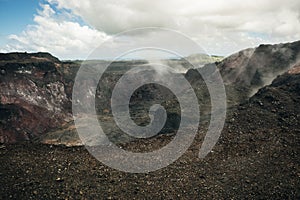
[198,60]
[203,59]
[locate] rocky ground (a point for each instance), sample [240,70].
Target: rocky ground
[257,157]
[268,168]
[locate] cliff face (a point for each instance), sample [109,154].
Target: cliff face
[36,90]
[245,72]
[252,69]
[32,97]
[259,66]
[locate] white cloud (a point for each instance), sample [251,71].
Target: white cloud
[57,34]
[221,27]
[116,16]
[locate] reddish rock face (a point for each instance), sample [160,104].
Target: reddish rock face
[259,66]
[245,72]
[295,69]
[32,97]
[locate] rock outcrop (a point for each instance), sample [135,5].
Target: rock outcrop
[36,90]
[33,99]
[245,72]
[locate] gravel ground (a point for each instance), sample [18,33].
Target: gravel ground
[266,171]
[256,157]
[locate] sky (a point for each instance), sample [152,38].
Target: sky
[15,16]
[72,29]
